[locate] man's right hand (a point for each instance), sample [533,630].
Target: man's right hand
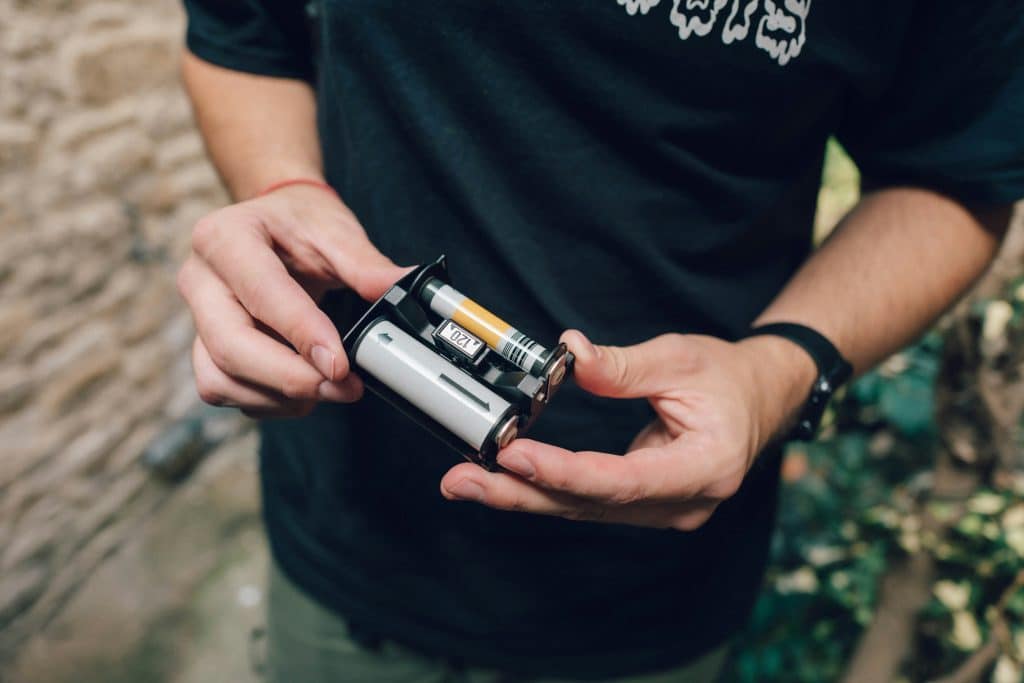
[252,280]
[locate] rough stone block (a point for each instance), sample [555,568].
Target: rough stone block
[18,142]
[196,179]
[109,161]
[128,451]
[98,222]
[79,380]
[28,440]
[72,130]
[15,317]
[114,501]
[146,364]
[179,151]
[93,338]
[32,541]
[19,590]
[79,342]
[104,66]
[104,15]
[84,455]
[16,386]
[164,113]
[117,296]
[151,311]
[31,39]
[179,332]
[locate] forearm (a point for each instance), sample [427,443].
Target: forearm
[898,260]
[257,129]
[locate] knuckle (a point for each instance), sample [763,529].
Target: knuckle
[220,352]
[252,292]
[211,231]
[560,479]
[515,503]
[209,392]
[627,495]
[206,233]
[631,489]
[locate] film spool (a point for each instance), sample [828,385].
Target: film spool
[510,343]
[459,403]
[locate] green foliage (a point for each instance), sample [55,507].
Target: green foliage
[850,504]
[840,189]
[902,390]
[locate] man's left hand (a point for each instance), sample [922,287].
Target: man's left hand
[717,405]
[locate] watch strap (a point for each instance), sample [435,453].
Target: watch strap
[833,370]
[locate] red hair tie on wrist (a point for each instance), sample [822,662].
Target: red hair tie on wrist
[296,181]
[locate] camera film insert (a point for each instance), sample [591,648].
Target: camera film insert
[463,373]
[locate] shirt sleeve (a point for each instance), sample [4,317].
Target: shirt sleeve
[951,117]
[266,37]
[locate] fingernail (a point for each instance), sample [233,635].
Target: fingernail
[588,346]
[323,359]
[467,489]
[340,392]
[518,463]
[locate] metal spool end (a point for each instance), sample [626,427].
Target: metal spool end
[508,432]
[557,372]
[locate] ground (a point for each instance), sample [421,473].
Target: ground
[179,602]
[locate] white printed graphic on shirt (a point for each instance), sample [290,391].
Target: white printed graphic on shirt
[737,24]
[633,5]
[695,17]
[781,26]
[781,30]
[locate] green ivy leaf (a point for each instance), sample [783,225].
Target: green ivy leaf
[906,401]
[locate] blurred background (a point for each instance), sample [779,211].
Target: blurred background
[130,543]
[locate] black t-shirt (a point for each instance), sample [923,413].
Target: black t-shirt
[628,168]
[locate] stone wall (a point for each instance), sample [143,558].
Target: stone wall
[101,177]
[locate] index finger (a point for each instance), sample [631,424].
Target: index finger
[243,258]
[648,474]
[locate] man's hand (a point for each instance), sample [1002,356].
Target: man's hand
[717,403]
[252,280]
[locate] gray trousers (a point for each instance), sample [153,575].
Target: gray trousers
[307,643]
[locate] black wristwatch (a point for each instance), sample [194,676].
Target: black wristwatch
[833,371]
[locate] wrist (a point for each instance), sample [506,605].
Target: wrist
[257,183]
[299,181]
[783,375]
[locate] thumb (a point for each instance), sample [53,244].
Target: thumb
[635,371]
